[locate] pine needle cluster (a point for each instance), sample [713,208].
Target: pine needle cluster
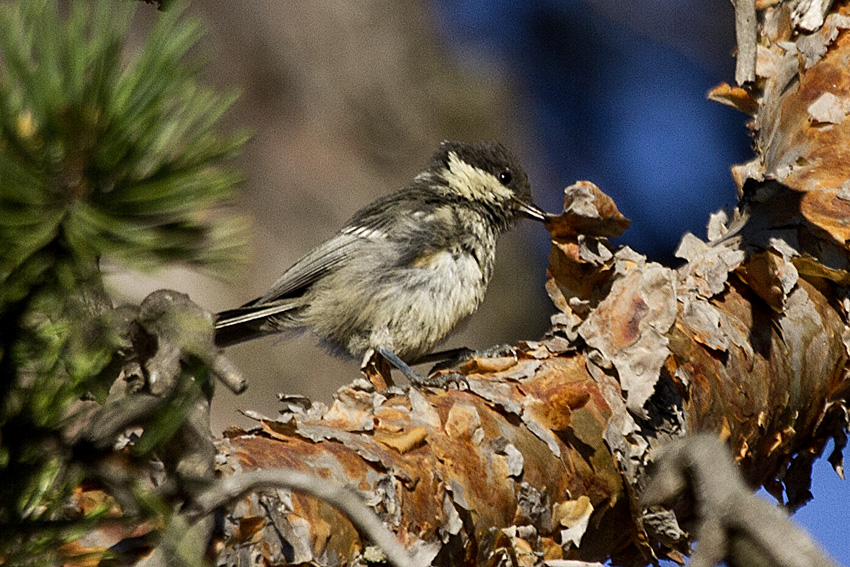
[104,155]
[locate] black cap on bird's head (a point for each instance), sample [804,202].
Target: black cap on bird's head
[486,173]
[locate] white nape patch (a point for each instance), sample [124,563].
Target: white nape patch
[474,183]
[364,232]
[423,176]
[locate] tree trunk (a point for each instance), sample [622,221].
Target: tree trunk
[544,456]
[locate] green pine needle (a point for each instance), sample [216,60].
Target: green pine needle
[117,156]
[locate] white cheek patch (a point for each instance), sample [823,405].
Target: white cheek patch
[475,183]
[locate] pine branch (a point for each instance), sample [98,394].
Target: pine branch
[104,154]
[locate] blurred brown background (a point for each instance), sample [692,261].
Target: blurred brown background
[346,102]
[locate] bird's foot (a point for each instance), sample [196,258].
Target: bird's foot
[442,381]
[456,358]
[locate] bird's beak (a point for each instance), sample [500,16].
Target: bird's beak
[529,210]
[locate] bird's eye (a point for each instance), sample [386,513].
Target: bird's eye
[505,177]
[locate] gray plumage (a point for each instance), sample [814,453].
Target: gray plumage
[406,269]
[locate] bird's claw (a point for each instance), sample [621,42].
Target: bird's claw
[496,351]
[442,381]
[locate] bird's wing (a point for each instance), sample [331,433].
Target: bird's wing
[381,220]
[319,262]
[278,309]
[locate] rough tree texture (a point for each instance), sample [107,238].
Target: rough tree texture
[544,456]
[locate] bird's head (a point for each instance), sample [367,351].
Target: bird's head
[486,174]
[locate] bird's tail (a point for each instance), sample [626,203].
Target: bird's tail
[254,320]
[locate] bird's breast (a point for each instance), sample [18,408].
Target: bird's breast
[412,306]
[443,289]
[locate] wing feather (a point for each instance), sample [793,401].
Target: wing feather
[316,264]
[383,219]
[248,313]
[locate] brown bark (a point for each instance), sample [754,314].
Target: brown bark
[544,456]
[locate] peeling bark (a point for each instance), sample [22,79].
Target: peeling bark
[544,458]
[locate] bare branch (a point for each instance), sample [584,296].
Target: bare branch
[347,501]
[746,32]
[733,525]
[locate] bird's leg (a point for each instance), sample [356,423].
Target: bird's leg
[441,381]
[453,358]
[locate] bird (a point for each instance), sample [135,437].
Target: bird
[405,270]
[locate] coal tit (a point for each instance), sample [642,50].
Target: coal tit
[406,269]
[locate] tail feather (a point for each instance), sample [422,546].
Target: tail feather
[242,324]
